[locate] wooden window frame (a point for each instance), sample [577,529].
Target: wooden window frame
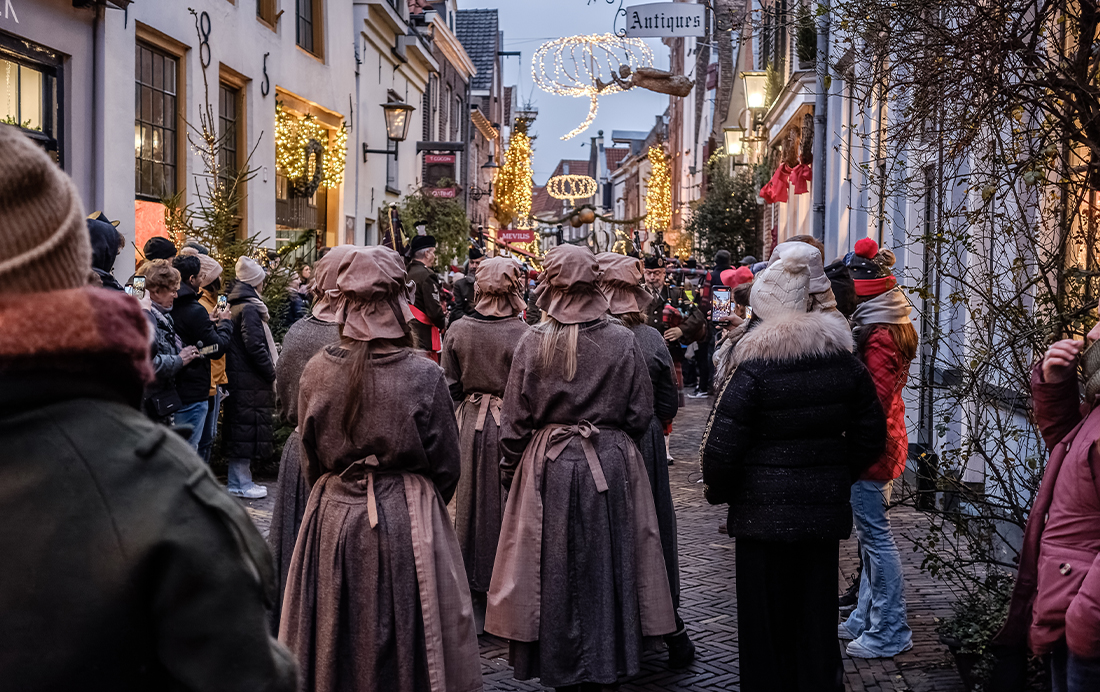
[316,25]
[268,13]
[235,80]
[166,44]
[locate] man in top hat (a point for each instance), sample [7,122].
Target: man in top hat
[463,290]
[428,316]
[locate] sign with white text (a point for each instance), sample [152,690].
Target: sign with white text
[439,158]
[447,192]
[666,20]
[516,236]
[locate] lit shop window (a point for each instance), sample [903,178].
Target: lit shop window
[22,95]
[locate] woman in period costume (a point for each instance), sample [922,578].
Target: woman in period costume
[621,283]
[376,598]
[477,355]
[579,578]
[302,341]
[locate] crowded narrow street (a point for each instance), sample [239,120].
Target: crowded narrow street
[709,605]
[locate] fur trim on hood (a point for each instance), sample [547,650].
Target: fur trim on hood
[792,335]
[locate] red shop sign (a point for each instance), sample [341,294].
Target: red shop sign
[444,192]
[516,236]
[439,158]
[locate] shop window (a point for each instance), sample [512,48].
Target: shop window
[228,108]
[155,124]
[308,25]
[28,92]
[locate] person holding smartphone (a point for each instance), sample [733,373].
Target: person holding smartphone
[198,329]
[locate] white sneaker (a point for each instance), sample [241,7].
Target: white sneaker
[253,492]
[842,632]
[857,650]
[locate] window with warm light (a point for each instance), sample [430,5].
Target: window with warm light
[155,128]
[28,91]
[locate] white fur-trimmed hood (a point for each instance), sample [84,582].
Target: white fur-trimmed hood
[794,335]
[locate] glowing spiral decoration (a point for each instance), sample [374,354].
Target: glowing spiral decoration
[587,67]
[571,187]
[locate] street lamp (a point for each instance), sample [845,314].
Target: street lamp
[735,140]
[755,87]
[492,168]
[397,127]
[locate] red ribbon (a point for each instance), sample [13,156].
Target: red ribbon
[437,342]
[776,190]
[801,177]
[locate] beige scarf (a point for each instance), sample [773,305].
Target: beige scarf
[265,316]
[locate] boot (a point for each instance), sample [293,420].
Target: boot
[849,598]
[681,652]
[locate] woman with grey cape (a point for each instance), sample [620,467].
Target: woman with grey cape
[304,339]
[621,283]
[579,579]
[477,355]
[376,598]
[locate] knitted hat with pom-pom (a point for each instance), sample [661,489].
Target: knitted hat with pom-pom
[870,268]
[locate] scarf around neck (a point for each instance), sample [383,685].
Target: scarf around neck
[891,307]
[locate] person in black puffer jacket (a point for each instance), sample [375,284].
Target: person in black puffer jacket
[795,425]
[250,366]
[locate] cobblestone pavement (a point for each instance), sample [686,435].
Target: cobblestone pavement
[708,597]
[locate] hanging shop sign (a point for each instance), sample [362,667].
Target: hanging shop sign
[666,20]
[516,236]
[447,192]
[439,158]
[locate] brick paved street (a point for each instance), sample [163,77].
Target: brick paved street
[709,608]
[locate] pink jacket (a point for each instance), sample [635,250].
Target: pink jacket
[1063,593]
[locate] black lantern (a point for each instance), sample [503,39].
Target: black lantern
[397,127]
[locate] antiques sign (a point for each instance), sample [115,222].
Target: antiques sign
[666,20]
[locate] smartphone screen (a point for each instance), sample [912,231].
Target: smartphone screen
[723,303]
[137,288]
[222,302]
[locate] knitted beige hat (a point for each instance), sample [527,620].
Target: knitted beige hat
[250,272]
[793,274]
[44,243]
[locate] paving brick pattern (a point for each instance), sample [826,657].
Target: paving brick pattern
[708,603]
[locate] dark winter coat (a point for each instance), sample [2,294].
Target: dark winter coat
[795,426]
[248,426]
[126,567]
[463,305]
[426,298]
[105,239]
[193,326]
[165,354]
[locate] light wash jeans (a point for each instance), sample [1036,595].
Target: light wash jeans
[879,621]
[1068,673]
[210,426]
[193,415]
[240,475]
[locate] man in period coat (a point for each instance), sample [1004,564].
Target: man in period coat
[428,316]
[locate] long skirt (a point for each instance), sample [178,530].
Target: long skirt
[786,616]
[377,598]
[480,497]
[286,518]
[652,447]
[579,580]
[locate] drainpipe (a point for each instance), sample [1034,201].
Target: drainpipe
[821,106]
[99,173]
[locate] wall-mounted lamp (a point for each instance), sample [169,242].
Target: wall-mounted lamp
[397,127]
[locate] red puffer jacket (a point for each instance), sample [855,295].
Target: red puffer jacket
[890,371]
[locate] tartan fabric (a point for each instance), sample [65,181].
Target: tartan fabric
[890,372]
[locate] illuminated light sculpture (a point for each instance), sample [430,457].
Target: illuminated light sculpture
[571,187]
[658,194]
[586,67]
[306,154]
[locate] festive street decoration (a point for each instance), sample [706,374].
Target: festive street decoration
[571,187]
[658,194]
[585,67]
[512,190]
[307,155]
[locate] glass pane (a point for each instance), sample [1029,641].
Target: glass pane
[146,66]
[137,140]
[146,112]
[158,180]
[147,176]
[158,70]
[158,144]
[170,111]
[169,180]
[169,146]
[158,109]
[170,66]
[9,92]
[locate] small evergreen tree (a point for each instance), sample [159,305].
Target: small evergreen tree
[727,218]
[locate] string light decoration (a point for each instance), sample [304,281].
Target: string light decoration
[658,194]
[295,156]
[571,187]
[512,190]
[587,67]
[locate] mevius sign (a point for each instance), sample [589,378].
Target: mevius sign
[666,20]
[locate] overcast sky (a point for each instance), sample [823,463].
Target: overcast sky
[529,23]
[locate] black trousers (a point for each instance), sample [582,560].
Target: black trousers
[787,616]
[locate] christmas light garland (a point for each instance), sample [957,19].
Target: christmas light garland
[587,67]
[571,187]
[292,136]
[658,194]
[512,190]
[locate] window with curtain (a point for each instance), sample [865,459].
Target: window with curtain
[155,123]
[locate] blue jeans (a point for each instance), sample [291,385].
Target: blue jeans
[240,474]
[210,426]
[193,415]
[879,621]
[1069,673]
